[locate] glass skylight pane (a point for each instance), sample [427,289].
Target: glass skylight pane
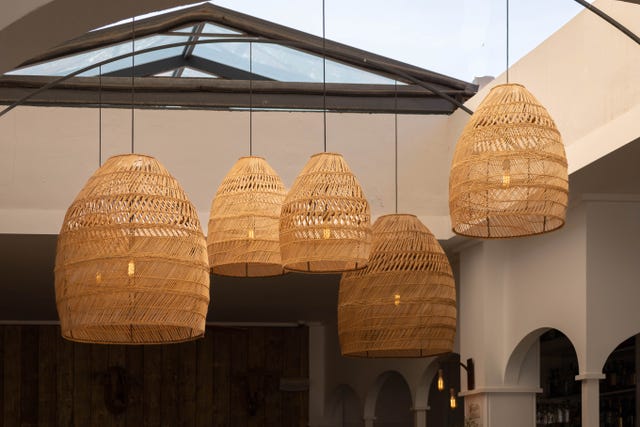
[190,72]
[165,74]
[64,66]
[341,73]
[217,29]
[232,54]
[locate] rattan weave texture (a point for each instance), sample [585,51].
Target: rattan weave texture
[509,172]
[325,221]
[403,304]
[244,225]
[131,260]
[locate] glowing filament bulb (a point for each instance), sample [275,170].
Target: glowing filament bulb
[452,400]
[506,173]
[326,233]
[440,380]
[396,299]
[132,269]
[98,277]
[251,233]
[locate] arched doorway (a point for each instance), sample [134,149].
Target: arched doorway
[619,389]
[345,409]
[559,404]
[393,403]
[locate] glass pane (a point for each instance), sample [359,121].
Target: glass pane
[165,74]
[191,72]
[64,66]
[232,54]
[217,29]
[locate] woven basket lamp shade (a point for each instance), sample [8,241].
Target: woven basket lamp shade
[244,226]
[509,172]
[131,262]
[403,304]
[325,221]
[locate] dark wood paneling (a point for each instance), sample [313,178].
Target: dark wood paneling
[230,378]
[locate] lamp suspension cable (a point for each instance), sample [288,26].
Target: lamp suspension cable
[100,116]
[250,99]
[133,87]
[324,77]
[395,131]
[507,44]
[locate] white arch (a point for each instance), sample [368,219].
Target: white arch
[520,352]
[421,398]
[374,391]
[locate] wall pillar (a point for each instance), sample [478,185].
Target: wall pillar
[420,416]
[368,421]
[590,398]
[317,375]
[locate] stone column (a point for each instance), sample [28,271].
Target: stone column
[590,398]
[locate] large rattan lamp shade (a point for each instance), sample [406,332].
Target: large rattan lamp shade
[243,238]
[509,172]
[403,304]
[325,220]
[131,261]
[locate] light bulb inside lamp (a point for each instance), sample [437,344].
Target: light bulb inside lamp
[251,233]
[131,270]
[396,299]
[326,233]
[506,173]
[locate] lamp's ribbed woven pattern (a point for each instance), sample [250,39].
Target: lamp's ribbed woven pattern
[244,238]
[509,172]
[325,220]
[131,261]
[403,304]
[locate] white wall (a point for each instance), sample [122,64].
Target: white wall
[47,155]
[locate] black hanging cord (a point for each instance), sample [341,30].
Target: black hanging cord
[250,98]
[507,56]
[100,117]
[133,88]
[324,77]
[395,128]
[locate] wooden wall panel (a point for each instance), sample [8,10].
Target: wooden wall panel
[230,378]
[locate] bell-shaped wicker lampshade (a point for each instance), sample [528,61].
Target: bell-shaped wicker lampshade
[244,238]
[325,221]
[131,262]
[509,172]
[403,304]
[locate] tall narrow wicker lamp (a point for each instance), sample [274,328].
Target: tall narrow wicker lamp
[244,237]
[509,173]
[403,304]
[324,224]
[131,261]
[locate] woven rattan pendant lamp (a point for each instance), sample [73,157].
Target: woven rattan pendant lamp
[325,219]
[244,236]
[403,304]
[509,172]
[131,260]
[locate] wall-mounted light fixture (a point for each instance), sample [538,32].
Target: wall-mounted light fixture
[440,380]
[471,373]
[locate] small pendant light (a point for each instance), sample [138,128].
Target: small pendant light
[509,172]
[243,238]
[325,220]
